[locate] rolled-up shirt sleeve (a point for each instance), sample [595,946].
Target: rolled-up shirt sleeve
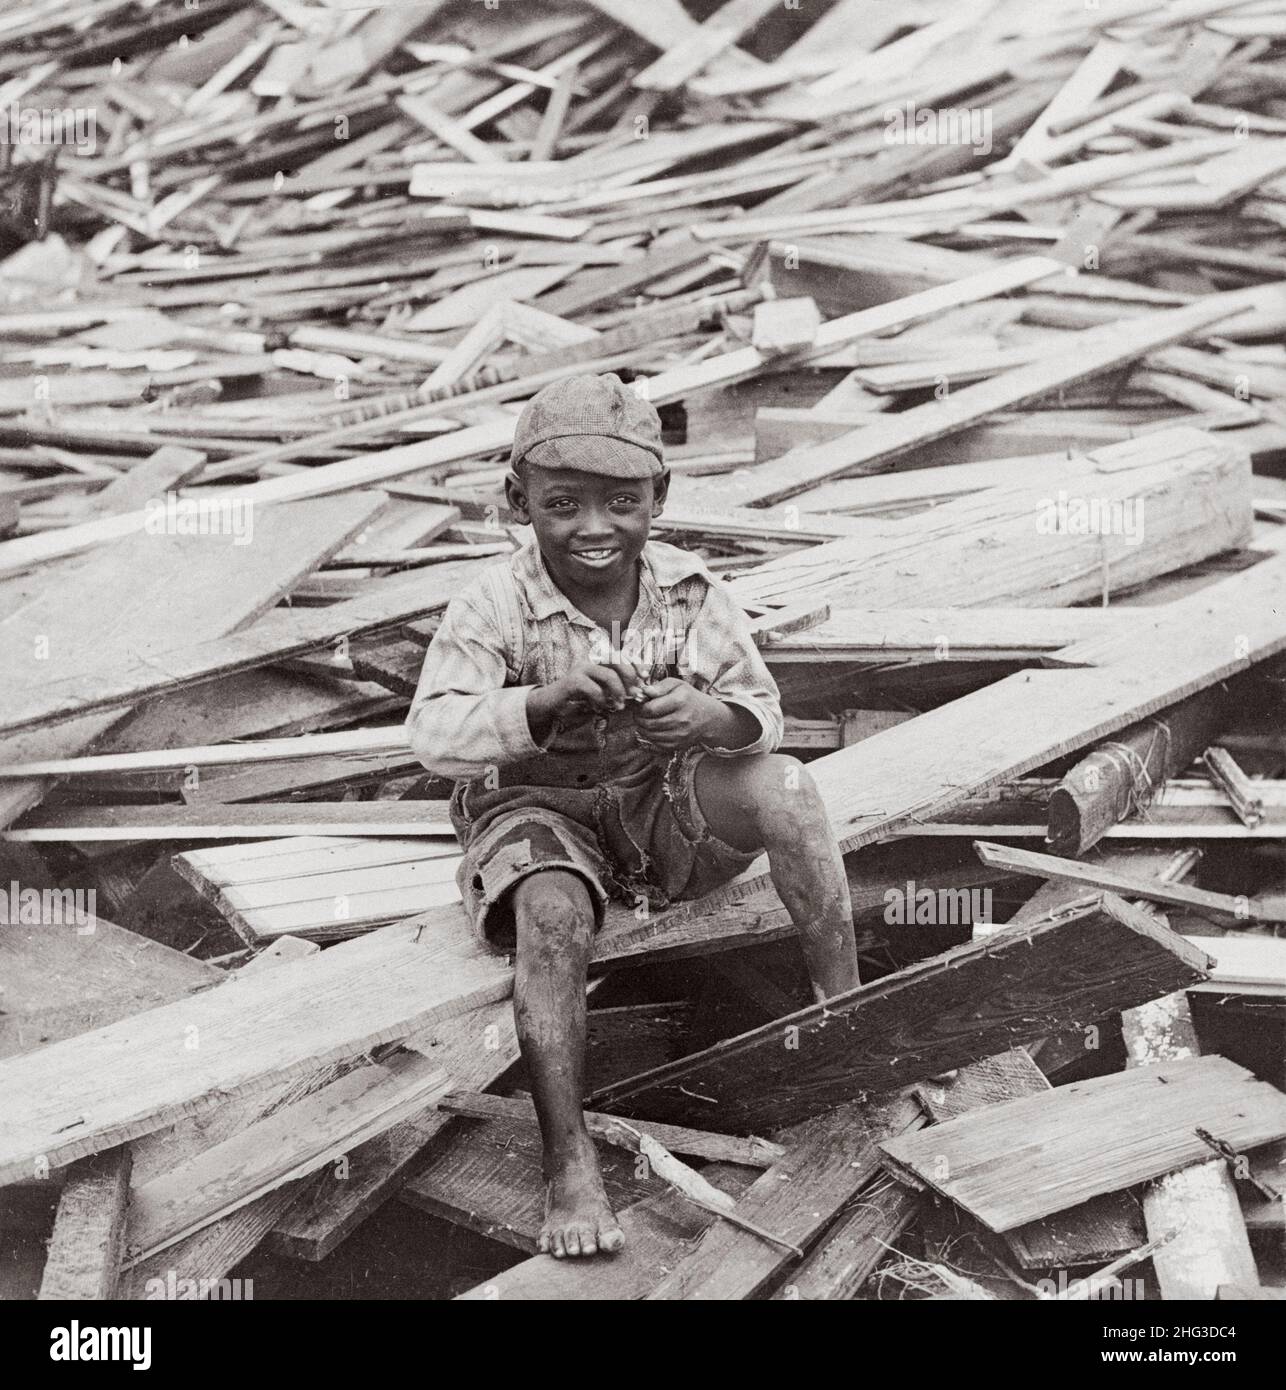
[723,653]
[463,718]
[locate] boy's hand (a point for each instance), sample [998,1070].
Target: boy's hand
[676,715]
[588,688]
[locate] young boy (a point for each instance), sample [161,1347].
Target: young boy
[613,727]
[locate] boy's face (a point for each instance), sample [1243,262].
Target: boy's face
[591,530]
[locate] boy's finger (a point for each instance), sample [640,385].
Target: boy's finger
[662,705]
[609,683]
[627,675]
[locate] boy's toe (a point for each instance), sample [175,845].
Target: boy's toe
[610,1239]
[571,1240]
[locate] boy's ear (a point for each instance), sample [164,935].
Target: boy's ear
[516,496]
[660,489]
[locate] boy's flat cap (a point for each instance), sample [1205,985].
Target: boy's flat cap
[595,424]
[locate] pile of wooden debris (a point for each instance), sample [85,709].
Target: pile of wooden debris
[965,324]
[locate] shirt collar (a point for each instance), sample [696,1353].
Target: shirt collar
[663,566]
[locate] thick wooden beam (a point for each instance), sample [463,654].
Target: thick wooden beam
[1044,543]
[1120,776]
[89,1231]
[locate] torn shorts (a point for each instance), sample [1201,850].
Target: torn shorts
[624,819]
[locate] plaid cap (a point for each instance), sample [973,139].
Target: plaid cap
[594,424]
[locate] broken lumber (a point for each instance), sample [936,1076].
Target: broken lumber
[1096,350]
[930,1017]
[1013,1163]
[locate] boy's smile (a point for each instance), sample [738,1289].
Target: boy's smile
[591,530]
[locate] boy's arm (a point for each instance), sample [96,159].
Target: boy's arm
[724,652]
[463,719]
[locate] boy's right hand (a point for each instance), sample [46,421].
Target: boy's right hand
[588,688]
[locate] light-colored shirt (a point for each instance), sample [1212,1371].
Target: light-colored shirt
[470,707]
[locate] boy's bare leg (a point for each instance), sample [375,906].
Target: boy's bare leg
[555,921]
[769,801]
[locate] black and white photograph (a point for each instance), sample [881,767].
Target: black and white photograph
[642,658]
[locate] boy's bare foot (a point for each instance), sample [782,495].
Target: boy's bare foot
[578,1217]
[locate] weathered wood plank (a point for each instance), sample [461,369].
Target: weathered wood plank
[1014,1163]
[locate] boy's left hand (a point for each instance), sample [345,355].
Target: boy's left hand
[677,715]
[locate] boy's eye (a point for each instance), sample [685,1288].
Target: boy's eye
[624,501]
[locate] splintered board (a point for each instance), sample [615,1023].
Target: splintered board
[966,1004]
[319,888]
[1013,1163]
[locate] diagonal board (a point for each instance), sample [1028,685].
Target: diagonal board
[143,593]
[963,1005]
[1090,352]
[107,678]
[831,1157]
[1013,1163]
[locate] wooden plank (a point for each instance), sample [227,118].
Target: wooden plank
[59,982]
[1100,878]
[945,634]
[86,1093]
[723,1148]
[102,603]
[1013,1163]
[714,36]
[828,1160]
[1096,350]
[850,1251]
[1091,1233]
[281,1148]
[89,1231]
[156,475]
[941,1013]
[207,821]
[121,679]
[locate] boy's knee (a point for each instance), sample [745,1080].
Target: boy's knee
[787,795]
[554,901]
